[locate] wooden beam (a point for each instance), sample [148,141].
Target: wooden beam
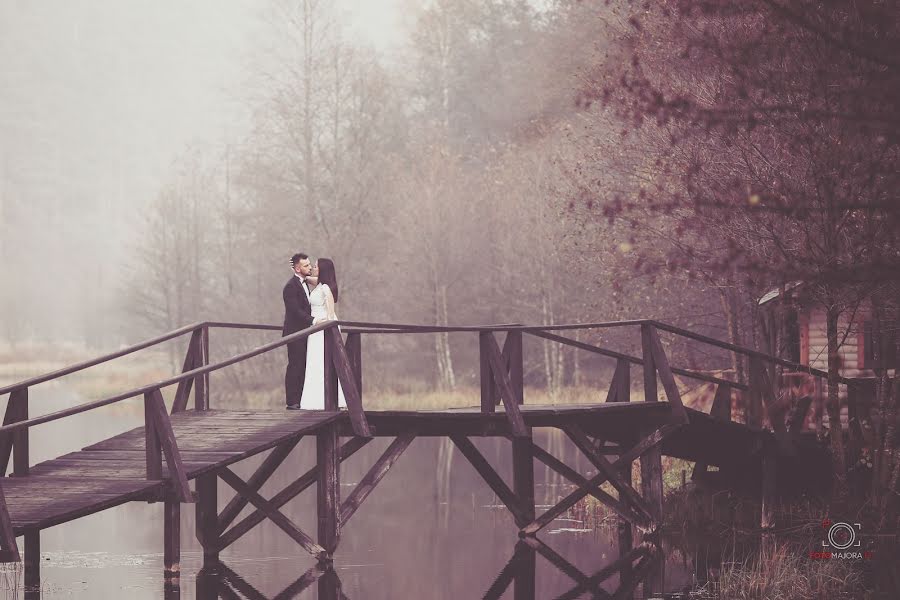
[274,515]
[626,492]
[256,481]
[286,495]
[622,393]
[171,537]
[555,559]
[190,363]
[508,573]
[9,551]
[374,476]
[569,501]
[489,394]
[308,578]
[512,360]
[511,401]
[206,518]
[665,375]
[767,393]
[162,426]
[620,386]
[650,390]
[16,410]
[652,482]
[32,576]
[621,509]
[524,587]
[353,344]
[240,584]
[201,384]
[347,378]
[331,377]
[622,563]
[753,408]
[631,359]
[767,517]
[328,490]
[152,448]
[492,478]
[523,475]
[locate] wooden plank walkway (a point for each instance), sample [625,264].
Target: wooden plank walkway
[113,471]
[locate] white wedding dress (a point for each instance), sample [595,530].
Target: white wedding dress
[313,397]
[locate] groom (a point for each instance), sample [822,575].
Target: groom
[297,316]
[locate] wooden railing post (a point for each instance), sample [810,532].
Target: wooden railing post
[331,376]
[201,395]
[510,396]
[650,389]
[651,461]
[160,440]
[9,551]
[16,443]
[341,371]
[514,360]
[488,385]
[354,353]
[191,362]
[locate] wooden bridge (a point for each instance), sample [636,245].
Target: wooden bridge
[158,461]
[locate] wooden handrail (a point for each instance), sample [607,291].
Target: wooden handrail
[634,359]
[102,359]
[746,351]
[170,381]
[365,327]
[407,328]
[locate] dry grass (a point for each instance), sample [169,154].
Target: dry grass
[785,572]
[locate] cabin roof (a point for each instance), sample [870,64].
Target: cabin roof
[776,292]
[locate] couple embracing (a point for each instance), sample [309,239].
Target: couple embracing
[309,299]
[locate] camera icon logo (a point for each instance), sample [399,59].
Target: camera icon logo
[842,536]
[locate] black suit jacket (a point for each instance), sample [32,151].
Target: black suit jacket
[297,311]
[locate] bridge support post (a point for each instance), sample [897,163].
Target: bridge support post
[207,519]
[171,538]
[328,490]
[767,517]
[32,560]
[523,475]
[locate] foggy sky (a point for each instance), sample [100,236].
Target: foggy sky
[98,98]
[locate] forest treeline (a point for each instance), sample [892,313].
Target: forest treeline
[588,161]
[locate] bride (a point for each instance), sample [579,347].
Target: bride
[321,300]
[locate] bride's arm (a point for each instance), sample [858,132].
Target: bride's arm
[329,304]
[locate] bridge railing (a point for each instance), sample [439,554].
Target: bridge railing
[160,441]
[501,370]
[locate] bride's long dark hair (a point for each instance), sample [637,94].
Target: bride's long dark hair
[328,275]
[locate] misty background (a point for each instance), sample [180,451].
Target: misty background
[160,163]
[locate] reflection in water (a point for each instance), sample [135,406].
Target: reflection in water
[627,572]
[223,582]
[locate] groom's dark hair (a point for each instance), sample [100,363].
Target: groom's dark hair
[297,258]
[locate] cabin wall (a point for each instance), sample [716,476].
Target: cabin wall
[850,351]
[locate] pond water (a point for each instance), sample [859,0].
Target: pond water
[431,529]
